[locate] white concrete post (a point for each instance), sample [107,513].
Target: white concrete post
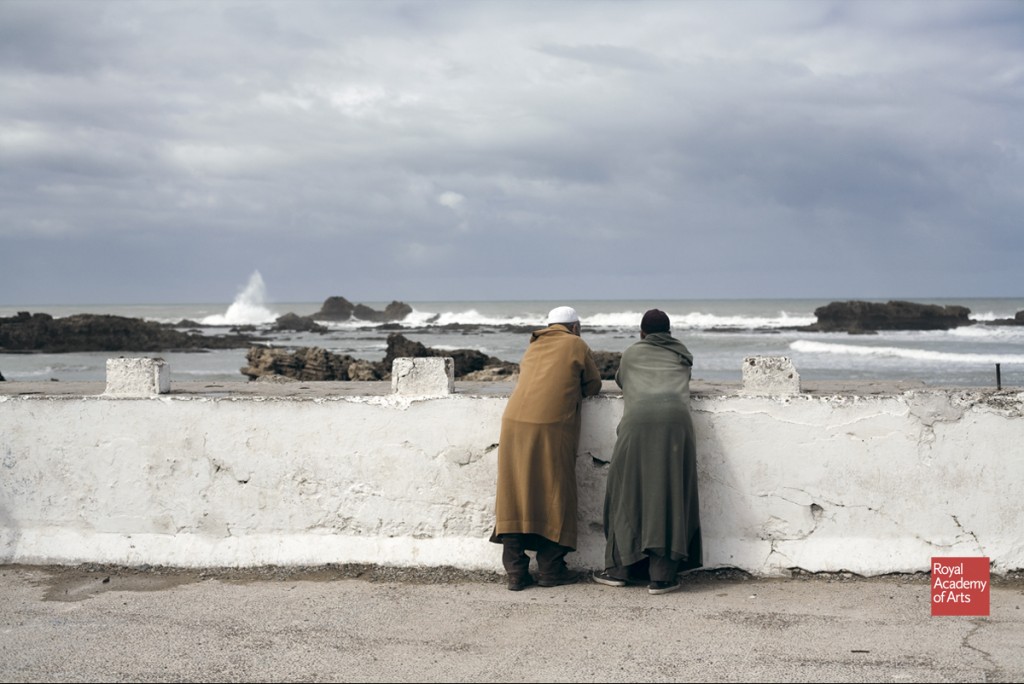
[138,377]
[431,376]
[770,376]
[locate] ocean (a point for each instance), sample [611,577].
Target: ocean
[719,332]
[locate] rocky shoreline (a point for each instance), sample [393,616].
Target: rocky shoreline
[314,363]
[40,332]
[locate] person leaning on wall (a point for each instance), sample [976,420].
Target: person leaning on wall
[651,509]
[535,505]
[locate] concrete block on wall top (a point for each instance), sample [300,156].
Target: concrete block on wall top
[137,377]
[770,376]
[423,377]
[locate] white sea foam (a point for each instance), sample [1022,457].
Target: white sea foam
[697,320]
[455,347]
[37,372]
[619,320]
[248,307]
[67,370]
[995,333]
[700,320]
[424,319]
[992,315]
[468,317]
[927,355]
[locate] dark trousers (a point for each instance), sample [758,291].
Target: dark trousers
[550,555]
[654,568]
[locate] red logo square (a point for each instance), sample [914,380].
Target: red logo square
[960,586]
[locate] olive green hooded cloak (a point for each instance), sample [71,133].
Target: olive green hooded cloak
[651,500]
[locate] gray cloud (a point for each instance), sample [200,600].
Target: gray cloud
[162,151]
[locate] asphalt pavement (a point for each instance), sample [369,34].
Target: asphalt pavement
[347,624]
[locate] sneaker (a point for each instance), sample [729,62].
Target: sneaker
[604,578]
[656,587]
[519,583]
[564,577]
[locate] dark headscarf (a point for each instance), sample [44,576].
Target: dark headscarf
[654,321]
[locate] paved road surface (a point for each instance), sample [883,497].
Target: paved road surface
[352,624]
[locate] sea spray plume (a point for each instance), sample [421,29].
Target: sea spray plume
[248,307]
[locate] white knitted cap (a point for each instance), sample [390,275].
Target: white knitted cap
[563,314]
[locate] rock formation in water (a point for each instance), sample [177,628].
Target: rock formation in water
[340,309]
[869,317]
[42,332]
[466,360]
[291,321]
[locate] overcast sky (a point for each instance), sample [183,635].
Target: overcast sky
[453,150]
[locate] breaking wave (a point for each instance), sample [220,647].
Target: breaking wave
[809,347]
[248,307]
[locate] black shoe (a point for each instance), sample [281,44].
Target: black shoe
[519,583]
[656,587]
[604,578]
[563,577]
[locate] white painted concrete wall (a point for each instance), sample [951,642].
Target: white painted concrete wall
[867,484]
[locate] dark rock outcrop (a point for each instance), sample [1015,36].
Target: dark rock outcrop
[607,363]
[506,373]
[313,363]
[466,360]
[91,332]
[866,317]
[304,363]
[340,309]
[361,370]
[395,311]
[335,309]
[291,321]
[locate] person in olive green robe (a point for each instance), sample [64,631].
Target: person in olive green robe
[651,509]
[535,506]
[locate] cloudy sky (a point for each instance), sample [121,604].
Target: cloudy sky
[449,150]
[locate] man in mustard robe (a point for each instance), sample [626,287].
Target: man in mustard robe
[651,509]
[535,507]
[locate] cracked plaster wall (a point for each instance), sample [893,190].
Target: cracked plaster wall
[870,485]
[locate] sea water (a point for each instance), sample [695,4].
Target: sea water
[719,332]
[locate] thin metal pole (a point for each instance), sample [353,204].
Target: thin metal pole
[999,379]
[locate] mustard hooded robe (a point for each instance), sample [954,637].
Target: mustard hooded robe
[540,429]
